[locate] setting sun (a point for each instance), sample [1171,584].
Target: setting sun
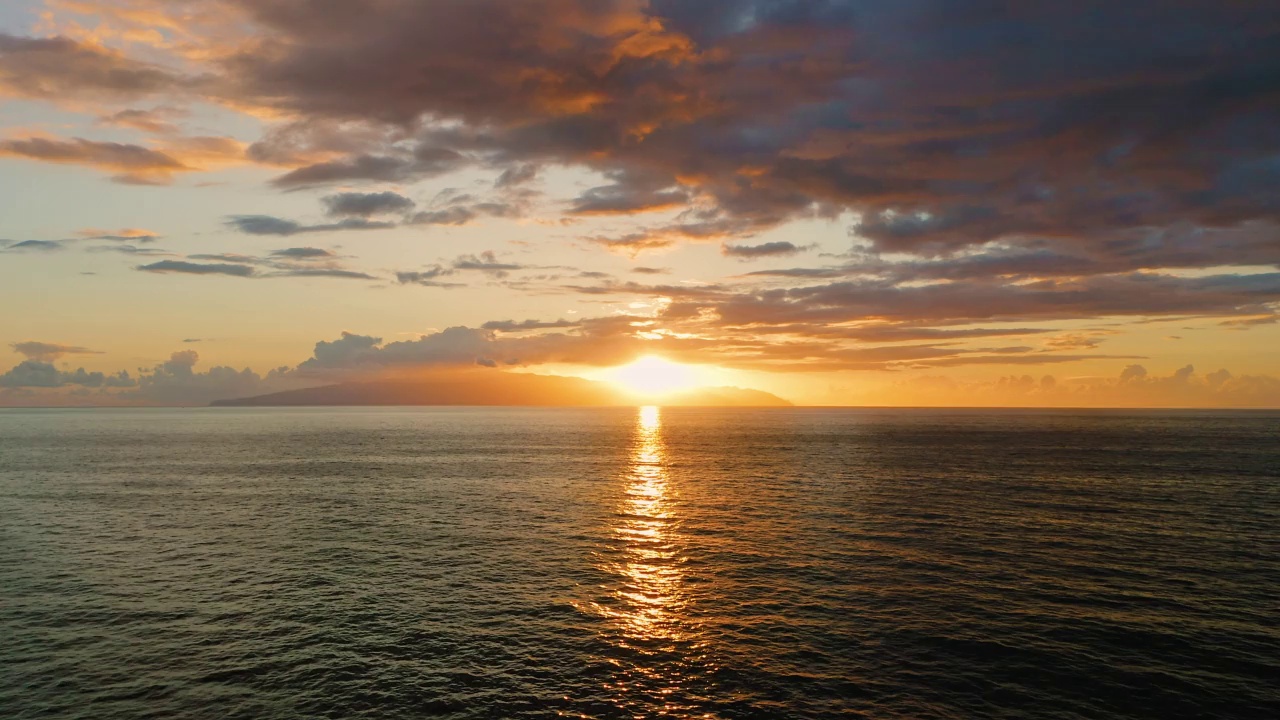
[653,375]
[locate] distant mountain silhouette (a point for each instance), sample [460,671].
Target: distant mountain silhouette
[493,387]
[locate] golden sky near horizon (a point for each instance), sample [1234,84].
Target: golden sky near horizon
[839,203]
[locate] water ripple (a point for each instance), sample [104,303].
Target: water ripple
[505,563]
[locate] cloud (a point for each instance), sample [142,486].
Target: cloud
[995,128]
[516,175]
[617,339]
[1073,341]
[176,382]
[634,243]
[940,127]
[421,163]
[133,163]
[38,374]
[346,351]
[510,326]
[298,262]
[611,340]
[60,68]
[446,216]
[1127,294]
[367,204]
[486,262]
[130,250]
[303,253]
[34,246]
[993,174]
[428,278]
[461,214]
[269,225]
[322,273]
[125,235]
[752,252]
[157,121]
[1133,387]
[48,352]
[642,270]
[453,347]
[190,268]
[628,197]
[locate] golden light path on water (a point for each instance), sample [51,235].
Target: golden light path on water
[659,649]
[651,568]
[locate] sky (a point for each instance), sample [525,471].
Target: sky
[843,203]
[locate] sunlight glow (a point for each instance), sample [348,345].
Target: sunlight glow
[652,375]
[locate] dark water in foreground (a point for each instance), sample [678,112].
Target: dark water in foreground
[482,563]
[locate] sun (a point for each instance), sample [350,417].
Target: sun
[652,375]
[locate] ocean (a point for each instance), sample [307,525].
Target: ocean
[638,563]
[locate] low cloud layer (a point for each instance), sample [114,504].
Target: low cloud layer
[1134,386]
[607,341]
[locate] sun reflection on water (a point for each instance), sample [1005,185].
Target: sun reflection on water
[659,654]
[650,596]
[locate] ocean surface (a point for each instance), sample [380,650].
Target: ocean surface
[650,563]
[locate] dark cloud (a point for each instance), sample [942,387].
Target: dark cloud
[367,204]
[48,352]
[302,262]
[642,270]
[269,225]
[190,268]
[428,278]
[627,198]
[177,382]
[423,162]
[446,216]
[38,374]
[516,175]
[943,126]
[463,213]
[34,245]
[454,346]
[303,253]
[763,250]
[322,273]
[462,346]
[129,250]
[1131,294]
[486,262]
